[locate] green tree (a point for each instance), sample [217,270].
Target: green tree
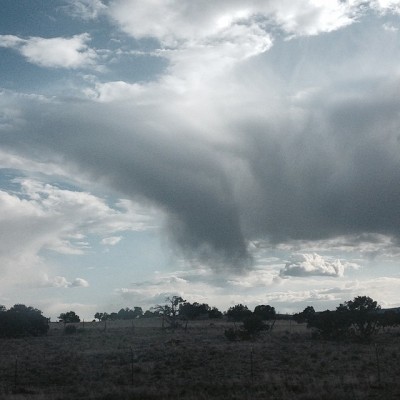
[265,312]
[127,313]
[363,312]
[99,316]
[331,325]
[214,313]
[69,317]
[193,311]
[358,318]
[306,315]
[239,312]
[112,316]
[21,320]
[150,314]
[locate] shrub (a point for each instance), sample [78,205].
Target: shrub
[254,324]
[389,318]
[358,318]
[238,312]
[265,312]
[330,325]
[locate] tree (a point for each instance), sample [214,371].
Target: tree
[150,314]
[112,316]
[363,312]
[358,318]
[69,317]
[99,316]
[265,312]
[214,313]
[21,320]
[238,312]
[331,325]
[127,313]
[170,311]
[305,316]
[193,311]
[138,312]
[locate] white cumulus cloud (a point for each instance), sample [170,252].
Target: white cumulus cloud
[58,52]
[303,265]
[62,282]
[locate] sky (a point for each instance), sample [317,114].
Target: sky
[224,151]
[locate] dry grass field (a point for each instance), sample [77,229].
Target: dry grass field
[142,361]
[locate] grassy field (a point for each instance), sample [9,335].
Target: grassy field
[142,361]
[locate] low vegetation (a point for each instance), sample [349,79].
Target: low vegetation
[140,359]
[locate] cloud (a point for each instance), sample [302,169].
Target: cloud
[62,282]
[385,6]
[303,265]
[85,9]
[111,241]
[368,245]
[79,282]
[35,216]
[255,278]
[57,52]
[176,23]
[285,146]
[216,35]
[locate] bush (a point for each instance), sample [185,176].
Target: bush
[330,325]
[254,324]
[389,318]
[357,319]
[238,312]
[265,312]
[21,320]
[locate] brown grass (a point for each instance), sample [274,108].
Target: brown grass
[197,364]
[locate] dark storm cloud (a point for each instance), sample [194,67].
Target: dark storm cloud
[337,173]
[334,171]
[180,175]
